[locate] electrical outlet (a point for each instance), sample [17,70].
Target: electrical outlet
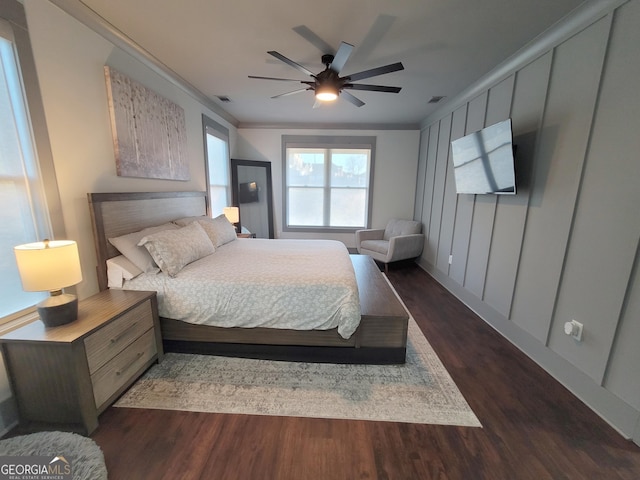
[574,329]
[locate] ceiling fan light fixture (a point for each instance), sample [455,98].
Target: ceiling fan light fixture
[328,84]
[326,93]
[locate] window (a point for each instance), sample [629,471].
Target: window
[217,165]
[20,181]
[327,182]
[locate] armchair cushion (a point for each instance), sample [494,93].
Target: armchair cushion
[400,240]
[396,227]
[367,235]
[380,246]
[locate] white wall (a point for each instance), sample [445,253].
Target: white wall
[69,60]
[567,245]
[394,172]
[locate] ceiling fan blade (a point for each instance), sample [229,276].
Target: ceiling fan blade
[306,33]
[341,57]
[374,37]
[291,63]
[372,88]
[394,67]
[351,99]
[274,78]
[290,93]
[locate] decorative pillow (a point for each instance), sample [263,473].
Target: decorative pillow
[172,250]
[219,230]
[120,269]
[183,222]
[139,256]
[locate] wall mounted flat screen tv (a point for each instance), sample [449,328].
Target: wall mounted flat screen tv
[483,161]
[248,192]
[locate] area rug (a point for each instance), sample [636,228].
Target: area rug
[420,391]
[85,457]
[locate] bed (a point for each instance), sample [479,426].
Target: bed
[378,337]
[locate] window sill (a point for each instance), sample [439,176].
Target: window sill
[322,229]
[16,322]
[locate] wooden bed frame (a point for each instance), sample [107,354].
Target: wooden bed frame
[380,338]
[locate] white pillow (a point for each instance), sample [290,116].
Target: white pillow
[120,269]
[172,250]
[138,255]
[219,229]
[183,222]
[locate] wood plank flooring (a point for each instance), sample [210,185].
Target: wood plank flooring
[533,428]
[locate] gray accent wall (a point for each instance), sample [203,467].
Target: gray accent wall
[567,245]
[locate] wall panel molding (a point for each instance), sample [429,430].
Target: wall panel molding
[617,413]
[565,246]
[573,23]
[527,109]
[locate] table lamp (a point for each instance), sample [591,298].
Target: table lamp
[51,265]
[232,214]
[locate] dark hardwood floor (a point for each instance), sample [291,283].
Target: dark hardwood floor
[533,428]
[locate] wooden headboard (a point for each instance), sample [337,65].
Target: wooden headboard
[115,214]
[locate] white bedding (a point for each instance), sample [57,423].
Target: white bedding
[288,284]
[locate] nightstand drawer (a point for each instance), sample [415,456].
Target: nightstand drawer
[110,340]
[121,369]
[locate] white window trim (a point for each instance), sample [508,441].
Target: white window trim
[326,142]
[212,127]
[18,319]
[13,26]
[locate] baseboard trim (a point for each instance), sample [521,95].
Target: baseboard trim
[624,418]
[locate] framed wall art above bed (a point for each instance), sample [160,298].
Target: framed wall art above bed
[149,131]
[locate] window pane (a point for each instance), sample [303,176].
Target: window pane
[305,206]
[305,167]
[27,220]
[218,199]
[349,168]
[327,181]
[348,207]
[218,161]
[218,165]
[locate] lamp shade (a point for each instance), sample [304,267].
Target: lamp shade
[232,214]
[49,265]
[326,93]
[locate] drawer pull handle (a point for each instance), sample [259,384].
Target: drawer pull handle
[118,337]
[128,365]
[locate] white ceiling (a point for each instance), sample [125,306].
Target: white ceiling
[445,45]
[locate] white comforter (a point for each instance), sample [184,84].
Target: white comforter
[292,284]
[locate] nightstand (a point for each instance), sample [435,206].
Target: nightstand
[246,235]
[64,377]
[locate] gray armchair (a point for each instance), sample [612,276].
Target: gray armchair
[399,240]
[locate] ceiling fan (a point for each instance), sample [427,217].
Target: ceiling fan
[328,84]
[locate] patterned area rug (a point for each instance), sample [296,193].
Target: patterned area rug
[420,391]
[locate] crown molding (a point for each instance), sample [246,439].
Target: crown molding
[95,22]
[330,126]
[574,22]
